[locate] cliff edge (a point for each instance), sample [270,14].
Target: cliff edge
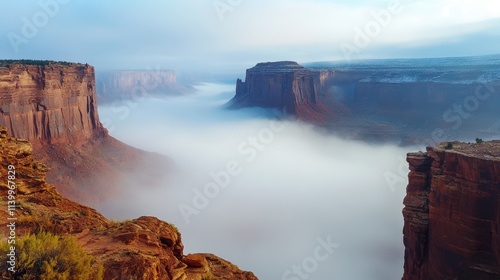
[54,106]
[144,248]
[452,213]
[49,102]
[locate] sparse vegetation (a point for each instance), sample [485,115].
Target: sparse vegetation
[449,146]
[119,223]
[174,227]
[45,256]
[35,62]
[479,140]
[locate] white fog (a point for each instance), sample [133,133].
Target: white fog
[268,194]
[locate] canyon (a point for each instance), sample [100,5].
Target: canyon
[452,213]
[54,106]
[143,248]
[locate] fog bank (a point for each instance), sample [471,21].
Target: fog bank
[276,197]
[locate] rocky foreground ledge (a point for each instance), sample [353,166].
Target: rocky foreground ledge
[452,212]
[145,248]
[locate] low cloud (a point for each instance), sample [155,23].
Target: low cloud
[296,186]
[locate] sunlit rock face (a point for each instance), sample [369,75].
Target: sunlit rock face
[49,103]
[143,248]
[54,106]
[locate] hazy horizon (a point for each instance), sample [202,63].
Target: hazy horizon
[230,36]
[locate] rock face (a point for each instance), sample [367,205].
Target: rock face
[144,248]
[452,213]
[54,105]
[49,103]
[387,100]
[117,85]
[284,85]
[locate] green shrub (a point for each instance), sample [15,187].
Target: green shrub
[449,145]
[479,140]
[44,256]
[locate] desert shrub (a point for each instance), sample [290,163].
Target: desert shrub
[449,145]
[479,140]
[45,256]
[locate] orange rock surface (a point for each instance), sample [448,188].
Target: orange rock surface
[144,248]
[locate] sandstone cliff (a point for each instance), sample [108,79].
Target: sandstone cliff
[54,105]
[144,248]
[50,102]
[452,213]
[402,101]
[284,85]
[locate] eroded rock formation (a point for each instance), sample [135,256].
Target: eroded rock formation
[284,85]
[51,103]
[144,248]
[388,100]
[54,105]
[452,213]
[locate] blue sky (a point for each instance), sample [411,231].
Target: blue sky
[234,34]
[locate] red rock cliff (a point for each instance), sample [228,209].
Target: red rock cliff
[51,103]
[283,85]
[452,213]
[54,105]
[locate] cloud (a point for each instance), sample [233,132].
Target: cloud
[189,35]
[297,185]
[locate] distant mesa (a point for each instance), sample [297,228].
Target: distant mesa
[407,101]
[136,84]
[283,85]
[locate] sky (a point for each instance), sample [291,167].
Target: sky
[226,35]
[229,34]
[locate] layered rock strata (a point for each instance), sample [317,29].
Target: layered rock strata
[54,105]
[49,103]
[402,101]
[144,248]
[284,85]
[452,213]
